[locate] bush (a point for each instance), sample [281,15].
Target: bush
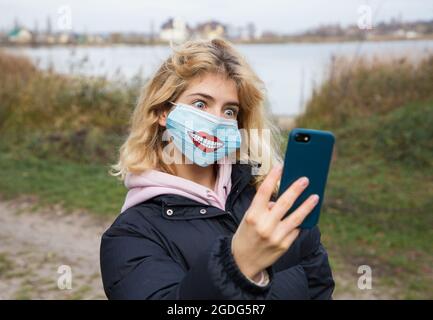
[406,135]
[359,89]
[78,118]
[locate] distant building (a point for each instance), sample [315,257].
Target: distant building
[64,38]
[232,32]
[401,33]
[211,29]
[412,34]
[20,35]
[175,30]
[242,33]
[269,35]
[3,36]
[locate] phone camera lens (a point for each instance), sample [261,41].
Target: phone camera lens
[301,137]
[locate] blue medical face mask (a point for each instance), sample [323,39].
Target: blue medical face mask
[200,136]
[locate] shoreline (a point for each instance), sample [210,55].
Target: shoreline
[255,42]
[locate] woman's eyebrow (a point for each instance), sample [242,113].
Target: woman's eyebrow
[204,95]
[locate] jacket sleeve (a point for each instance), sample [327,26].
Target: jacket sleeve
[135,265]
[290,284]
[316,266]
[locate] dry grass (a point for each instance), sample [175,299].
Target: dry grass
[72,117]
[364,87]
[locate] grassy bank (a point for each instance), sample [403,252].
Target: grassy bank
[72,185]
[380,198]
[50,115]
[58,136]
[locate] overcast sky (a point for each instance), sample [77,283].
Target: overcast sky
[286,16]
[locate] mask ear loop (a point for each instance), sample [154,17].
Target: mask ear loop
[179,104]
[171,137]
[174,104]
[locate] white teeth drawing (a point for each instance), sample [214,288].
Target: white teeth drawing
[208,143]
[204,142]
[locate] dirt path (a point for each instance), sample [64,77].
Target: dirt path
[35,243]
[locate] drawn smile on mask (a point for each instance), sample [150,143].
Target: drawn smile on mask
[201,136]
[205,141]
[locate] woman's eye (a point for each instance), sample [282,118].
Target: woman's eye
[199,104]
[230,113]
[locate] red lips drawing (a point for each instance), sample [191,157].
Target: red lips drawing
[204,141]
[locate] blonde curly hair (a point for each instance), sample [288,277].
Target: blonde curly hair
[143,148]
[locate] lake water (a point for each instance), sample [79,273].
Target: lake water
[290,71]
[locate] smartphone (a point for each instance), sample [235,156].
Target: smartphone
[309,154]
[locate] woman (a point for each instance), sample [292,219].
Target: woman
[198,221]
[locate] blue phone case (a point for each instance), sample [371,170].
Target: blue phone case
[311,159]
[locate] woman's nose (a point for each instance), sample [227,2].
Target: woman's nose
[217,111]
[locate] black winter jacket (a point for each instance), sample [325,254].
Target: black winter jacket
[172,247]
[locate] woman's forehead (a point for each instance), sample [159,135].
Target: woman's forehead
[218,86]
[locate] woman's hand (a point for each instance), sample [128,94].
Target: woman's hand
[262,237]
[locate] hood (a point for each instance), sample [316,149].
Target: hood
[152,183]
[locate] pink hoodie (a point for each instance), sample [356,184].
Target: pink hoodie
[153,182]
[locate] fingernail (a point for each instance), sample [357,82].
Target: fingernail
[304,181]
[315,198]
